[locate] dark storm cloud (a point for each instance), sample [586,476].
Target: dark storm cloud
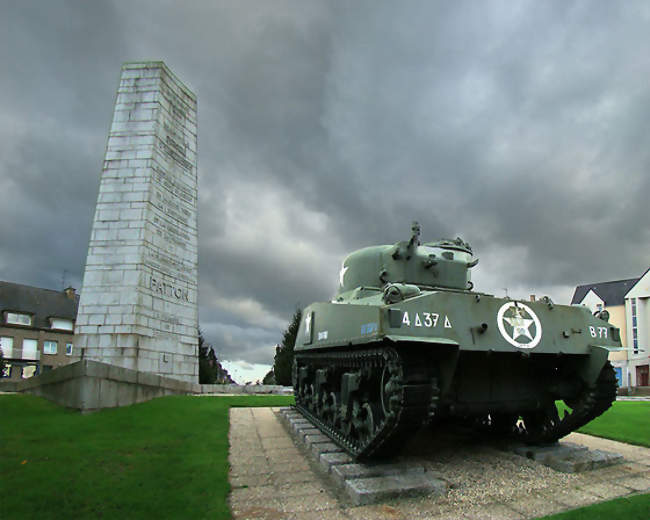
[54,115]
[328,126]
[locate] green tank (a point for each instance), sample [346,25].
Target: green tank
[406,341]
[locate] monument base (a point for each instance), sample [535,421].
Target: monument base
[90,385]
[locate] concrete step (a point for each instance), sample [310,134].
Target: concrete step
[363,483]
[363,491]
[567,457]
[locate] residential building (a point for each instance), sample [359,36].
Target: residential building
[36,329]
[610,296]
[637,312]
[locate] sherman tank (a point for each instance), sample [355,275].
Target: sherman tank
[406,341]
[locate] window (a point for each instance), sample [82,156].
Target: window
[50,347]
[635,338]
[7,346]
[29,371]
[61,324]
[69,348]
[17,318]
[30,348]
[6,371]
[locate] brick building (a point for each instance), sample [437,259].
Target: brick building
[36,329]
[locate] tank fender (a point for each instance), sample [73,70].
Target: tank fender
[593,364]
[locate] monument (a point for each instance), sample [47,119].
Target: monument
[138,307]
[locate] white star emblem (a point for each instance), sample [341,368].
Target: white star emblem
[308,324]
[520,325]
[342,274]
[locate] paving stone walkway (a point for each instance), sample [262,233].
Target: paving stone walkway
[272,478]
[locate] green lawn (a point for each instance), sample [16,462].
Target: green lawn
[625,421]
[166,458]
[636,507]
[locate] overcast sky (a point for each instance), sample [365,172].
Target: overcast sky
[523,127]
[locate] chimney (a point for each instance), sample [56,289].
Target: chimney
[532,297]
[70,292]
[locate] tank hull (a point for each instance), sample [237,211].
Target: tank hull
[369,373]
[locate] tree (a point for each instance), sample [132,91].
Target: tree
[284,352]
[269,378]
[210,370]
[207,371]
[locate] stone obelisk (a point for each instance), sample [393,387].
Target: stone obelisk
[138,306]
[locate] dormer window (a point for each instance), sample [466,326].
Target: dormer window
[61,324]
[18,318]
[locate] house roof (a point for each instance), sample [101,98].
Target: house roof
[641,288]
[612,293]
[41,303]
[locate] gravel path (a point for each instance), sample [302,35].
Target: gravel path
[272,478]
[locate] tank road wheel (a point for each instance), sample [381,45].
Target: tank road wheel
[346,423]
[314,400]
[391,388]
[361,424]
[367,425]
[329,408]
[307,396]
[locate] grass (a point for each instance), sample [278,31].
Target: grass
[167,458]
[625,421]
[636,507]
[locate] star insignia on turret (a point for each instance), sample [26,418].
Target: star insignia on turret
[342,274]
[308,323]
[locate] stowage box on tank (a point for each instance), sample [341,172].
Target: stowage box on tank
[406,341]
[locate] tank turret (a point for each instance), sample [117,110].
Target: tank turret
[440,264]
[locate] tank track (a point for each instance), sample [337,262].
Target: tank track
[366,401]
[546,426]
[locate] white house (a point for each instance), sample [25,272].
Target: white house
[637,316]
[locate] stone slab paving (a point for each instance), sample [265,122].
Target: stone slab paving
[274,478]
[567,457]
